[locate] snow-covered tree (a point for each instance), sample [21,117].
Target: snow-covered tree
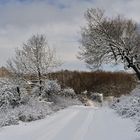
[34,58]
[107,40]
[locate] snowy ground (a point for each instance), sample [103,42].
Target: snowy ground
[128,106]
[74,123]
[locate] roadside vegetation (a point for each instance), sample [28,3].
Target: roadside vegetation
[108,83]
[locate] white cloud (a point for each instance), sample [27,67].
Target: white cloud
[60,20]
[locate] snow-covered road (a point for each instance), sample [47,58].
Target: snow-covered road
[74,123]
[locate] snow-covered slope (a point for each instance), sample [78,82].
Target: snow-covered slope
[128,106]
[74,123]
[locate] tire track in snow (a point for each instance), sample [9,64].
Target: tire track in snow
[55,127]
[81,133]
[76,126]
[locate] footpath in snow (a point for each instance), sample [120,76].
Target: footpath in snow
[75,123]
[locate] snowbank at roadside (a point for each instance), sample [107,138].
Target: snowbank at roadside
[129,106]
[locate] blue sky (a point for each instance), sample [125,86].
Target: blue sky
[59,20]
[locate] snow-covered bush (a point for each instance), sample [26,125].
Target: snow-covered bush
[62,102]
[68,92]
[16,104]
[129,106]
[98,97]
[35,92]
[34,110]
[50,87]
[31,111]
[10,96]
[8,117]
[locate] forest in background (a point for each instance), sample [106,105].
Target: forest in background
[108,83]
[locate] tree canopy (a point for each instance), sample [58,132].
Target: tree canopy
[35,57]
[110,40]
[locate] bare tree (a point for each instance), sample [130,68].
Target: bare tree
[107,40]
[34,58]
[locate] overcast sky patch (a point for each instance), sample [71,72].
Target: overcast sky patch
[59,20]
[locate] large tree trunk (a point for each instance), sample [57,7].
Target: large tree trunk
[137,71]
[133,67]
